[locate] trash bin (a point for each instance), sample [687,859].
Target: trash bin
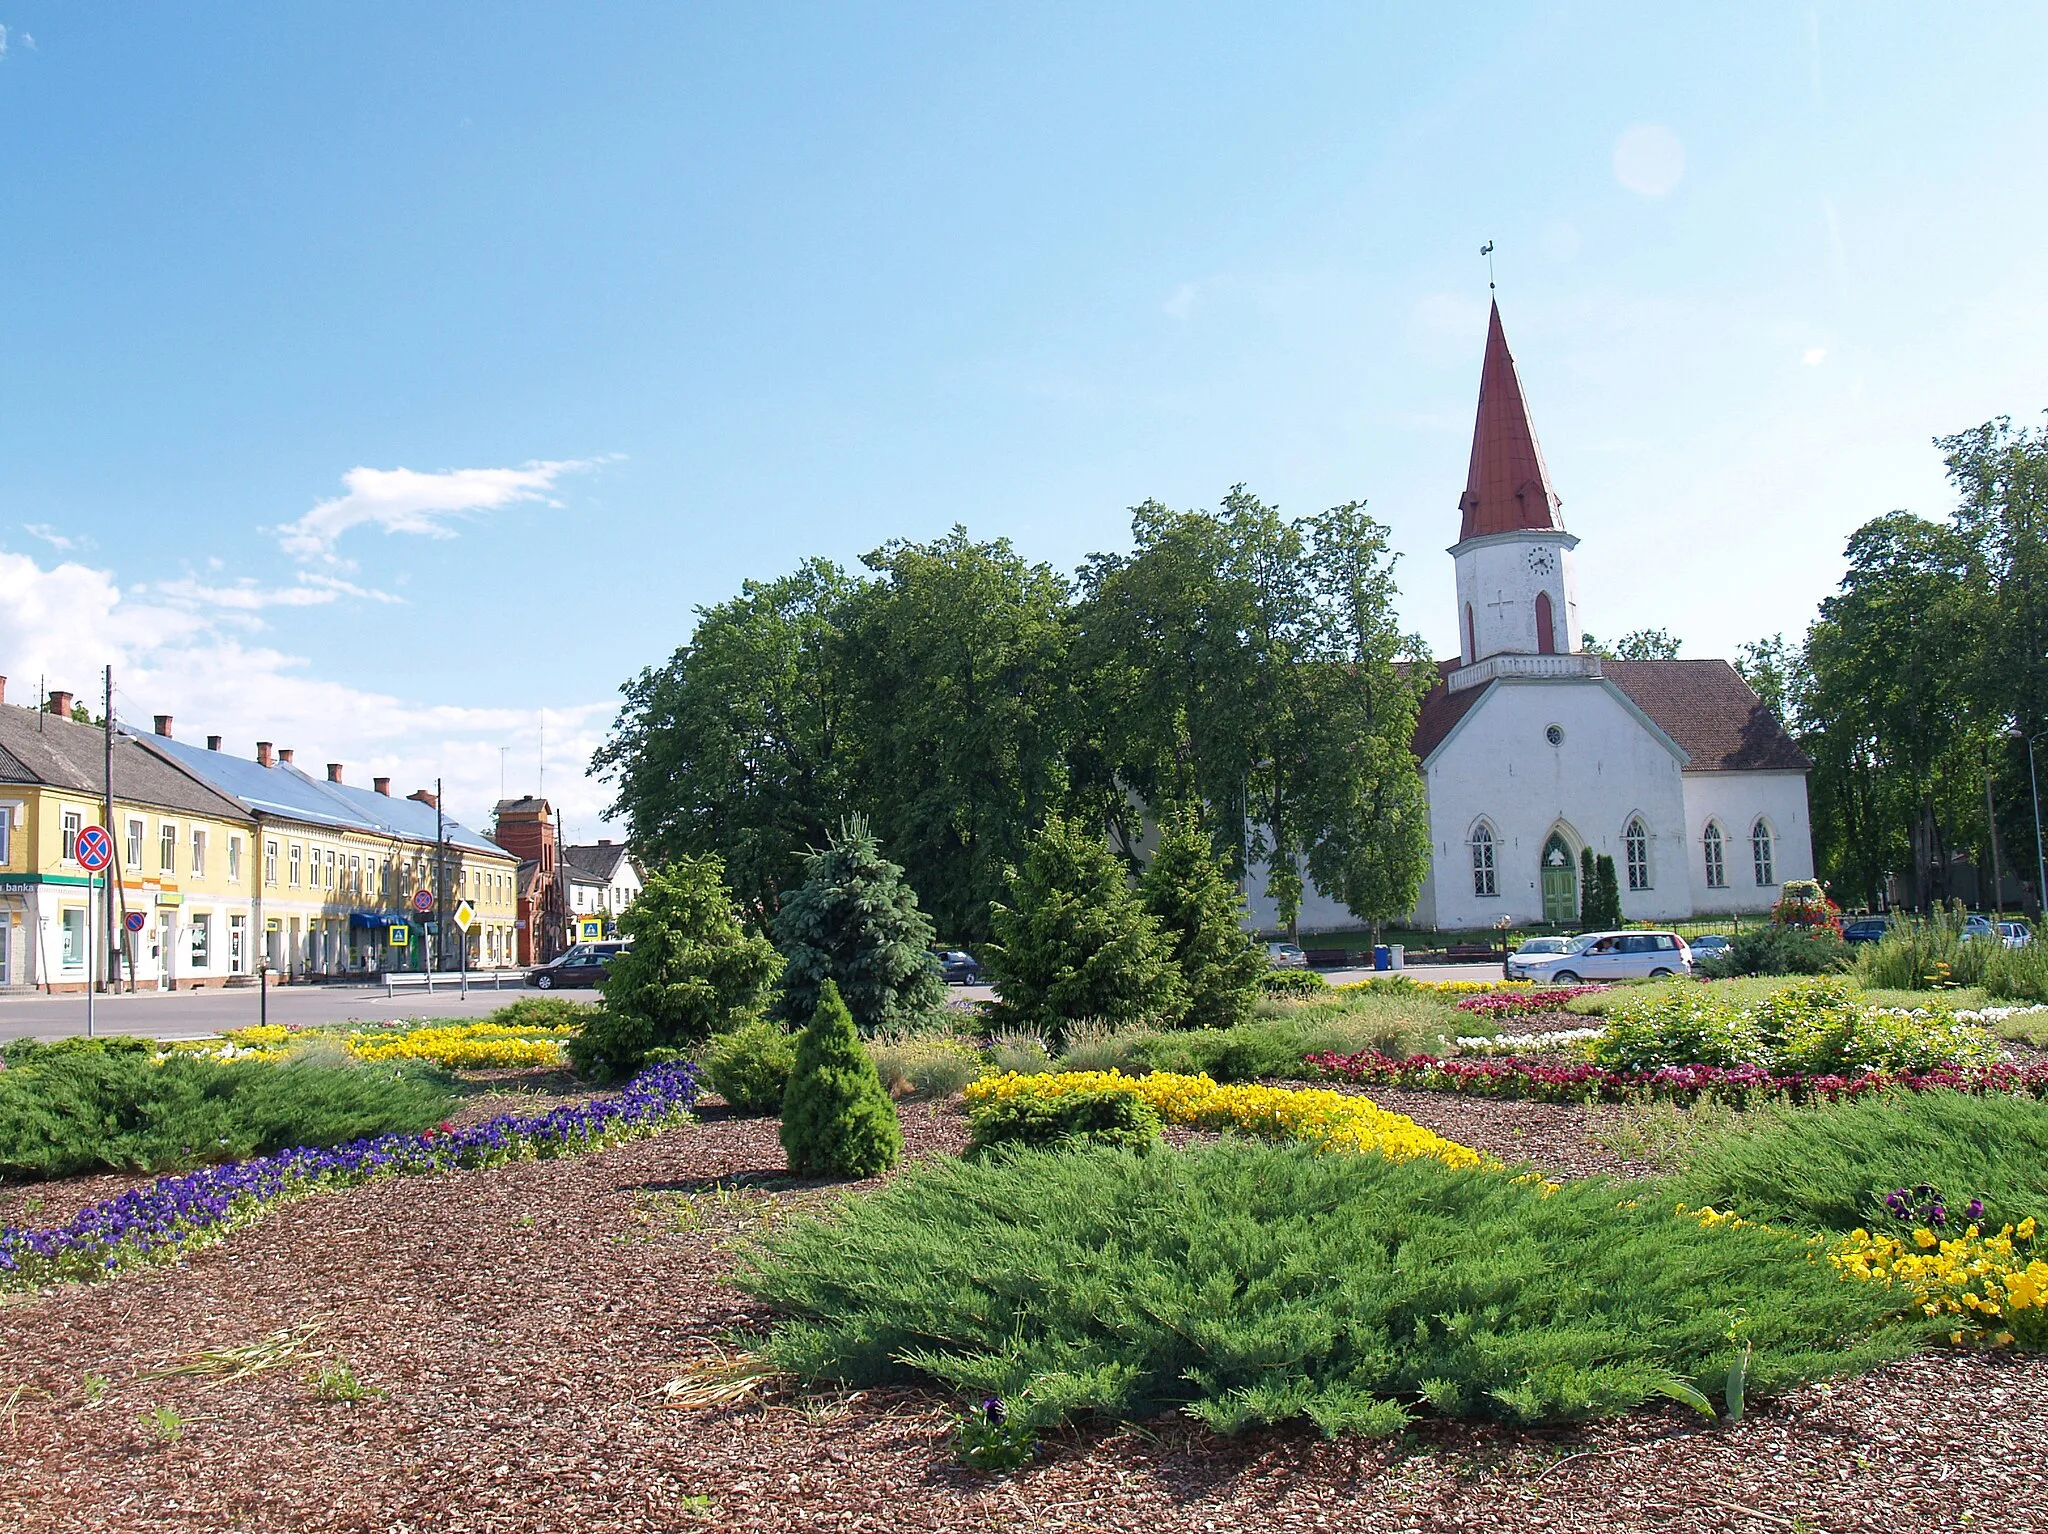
[1397,955]
[1381,958]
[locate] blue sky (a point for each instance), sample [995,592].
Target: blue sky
[645,301]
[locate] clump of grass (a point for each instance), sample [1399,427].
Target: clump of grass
[924,1064]
[1666,1135]
[335,1381]
[224,1364]
[1093,1045]
[1250,1284]
[1023,1050]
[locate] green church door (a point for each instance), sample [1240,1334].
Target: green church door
[1560,883]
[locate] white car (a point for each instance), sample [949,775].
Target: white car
[1607,956]
[1286,956]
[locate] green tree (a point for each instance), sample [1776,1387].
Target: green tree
[691,970]
[735,747]
[1637,644]
[855,922]
[957,658]
[1190,895]
[1076,942]
[1608,884]
[1589,891]
[837,1121]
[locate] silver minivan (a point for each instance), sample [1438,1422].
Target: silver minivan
[1607,956]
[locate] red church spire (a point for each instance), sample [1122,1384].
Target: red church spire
[1507,488]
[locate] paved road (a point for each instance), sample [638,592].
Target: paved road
[194,1014]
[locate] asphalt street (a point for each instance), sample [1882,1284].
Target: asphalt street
[195,1014]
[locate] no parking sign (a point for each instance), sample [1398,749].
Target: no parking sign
[95,849]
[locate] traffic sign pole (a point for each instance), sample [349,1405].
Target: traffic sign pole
[94,850]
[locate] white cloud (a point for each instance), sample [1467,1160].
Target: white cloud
[172,657]
[246,596]
[53,538]
[1814,356]
[407,501]
[1649,160]
[1180,303]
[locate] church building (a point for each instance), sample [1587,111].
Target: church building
[1533,750]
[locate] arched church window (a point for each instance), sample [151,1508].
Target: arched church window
[1546,626]
[1760,852]
[1484,880]
[1636,847]
[1717,864]
[1471,635]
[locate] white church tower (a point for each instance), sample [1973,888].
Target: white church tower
[1517,591]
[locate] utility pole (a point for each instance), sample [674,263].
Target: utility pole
[113,974]
[440,878]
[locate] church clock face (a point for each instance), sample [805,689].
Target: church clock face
[1542,559]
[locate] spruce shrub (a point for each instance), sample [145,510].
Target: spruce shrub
[751,1066]
[1292,982]
[837,1121]
[1828,1167]
[855,921]
[1067,1122]
[1201,912]
[1077,942]
[692,970]
[1775,950]
[96,1105]
[543,1012]
[1254,1283]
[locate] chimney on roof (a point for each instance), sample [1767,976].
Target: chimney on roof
[426,797]
[263,757]
[604,841]
[213,742]
[284,755]
[163,725]
[60,704]
[334,772]
[3,689]
[382,785]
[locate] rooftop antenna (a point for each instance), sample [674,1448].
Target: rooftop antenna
[541,791]
[1486,250]
[501,770]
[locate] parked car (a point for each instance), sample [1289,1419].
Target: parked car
[958,966]
[2017,934]
[1536,945]
[1707,945]
[1607,956]
[584,965]
[1865,929]
[1287,956]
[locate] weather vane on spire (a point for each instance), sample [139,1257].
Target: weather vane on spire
[1486,250]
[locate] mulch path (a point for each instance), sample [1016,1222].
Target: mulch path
[522,1321]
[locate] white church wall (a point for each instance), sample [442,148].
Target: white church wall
[1497,584]
[1733,801]
[1499,764]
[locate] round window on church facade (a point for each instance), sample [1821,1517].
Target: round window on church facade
[1555,734]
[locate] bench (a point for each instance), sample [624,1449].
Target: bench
[1458,951]
[1332,958]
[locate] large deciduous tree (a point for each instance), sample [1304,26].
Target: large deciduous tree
[735,746]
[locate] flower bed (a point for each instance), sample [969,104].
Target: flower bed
[1740,1084]
[157,1222]
[1529,1043]
[454,1046]
[1993,1285]
[1522,1002]
[1333,1120]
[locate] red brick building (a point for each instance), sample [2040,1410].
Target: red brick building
[526,829]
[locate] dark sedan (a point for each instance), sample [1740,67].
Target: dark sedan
[958,967]
[1867,929]
[584,965]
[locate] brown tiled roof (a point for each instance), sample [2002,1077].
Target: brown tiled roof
[1701,704]
[1441,710]
[1710,711]
[1507,487]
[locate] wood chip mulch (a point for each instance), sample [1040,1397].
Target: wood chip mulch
[521,1322]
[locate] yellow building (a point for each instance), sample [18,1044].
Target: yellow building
[183,862]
